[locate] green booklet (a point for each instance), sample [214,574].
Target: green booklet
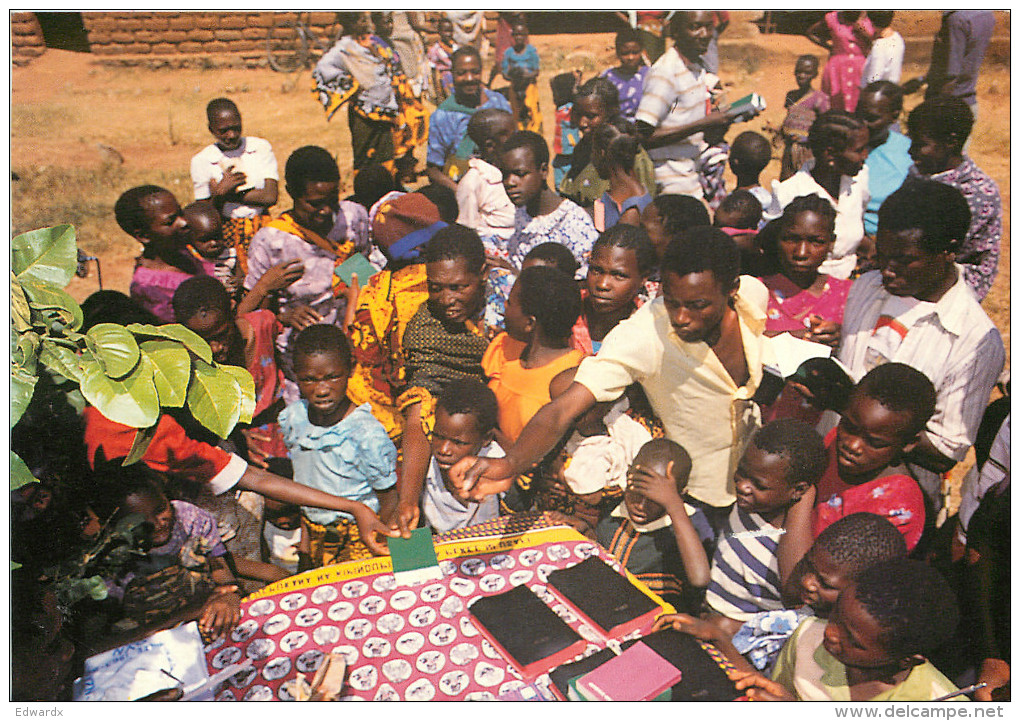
[414,559]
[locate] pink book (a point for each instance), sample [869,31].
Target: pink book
[637,674]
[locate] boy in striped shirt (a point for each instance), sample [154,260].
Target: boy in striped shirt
[779,469]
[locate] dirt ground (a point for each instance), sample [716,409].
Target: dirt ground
[82,133]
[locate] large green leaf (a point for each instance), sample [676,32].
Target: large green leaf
[21,314]
[116,347]
[132,401]
[174,331]
[49,255]
[52,302]
[171,365]
[60,359]
[143,437]
[26,351]
[247,384]
[22,387]
[214,399]
[20,475]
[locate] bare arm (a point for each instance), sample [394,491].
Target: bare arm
[543,431]
[659,136]
[819,35]
[926,455]
[265,196]
[437,176]
[798,537]
[276,278]
[417,455]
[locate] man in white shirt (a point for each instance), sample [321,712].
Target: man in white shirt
[697,351]
[918,309]
[673,117]
[238,173]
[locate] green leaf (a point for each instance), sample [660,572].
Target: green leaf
[214,399]
[143,437]
[52,303]
[20,475]
[49,255]
[60,359]
[26,352]
[132,401]
[77,400]
[116,347]
[21,313]
[22,387]
[175,331]
[171,365]
[247,384]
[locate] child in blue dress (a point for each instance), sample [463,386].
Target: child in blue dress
[336,447]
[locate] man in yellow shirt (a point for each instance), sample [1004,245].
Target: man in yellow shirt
[697,352]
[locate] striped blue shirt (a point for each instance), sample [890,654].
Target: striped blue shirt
[745,568]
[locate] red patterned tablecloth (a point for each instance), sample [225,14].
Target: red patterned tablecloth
[414,643]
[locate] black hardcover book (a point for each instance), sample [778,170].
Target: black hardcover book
[703,679]
[613,604]
[526,631]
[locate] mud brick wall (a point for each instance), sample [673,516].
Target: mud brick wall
[26,38]
[197,34]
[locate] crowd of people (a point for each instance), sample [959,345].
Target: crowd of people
[592,346]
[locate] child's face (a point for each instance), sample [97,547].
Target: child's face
[588,113]
[467,79]
[455,437]
[220,331]
[761,483]
[322,380]
[316,206]
[384,25]
[613,279]
[446,31]
[456,291]
[520,37]
[630,56]
[821,581]
[518,325]
[206,234]
[157,511]
[640,508]
[168,229]
[283,515]
[932,155]
[870,437]
[363,24]
[804,72]
[878,112]
[492,146]
[523,178]
[652,222]
[226,128]
[854,637]
[803,245]
[850,161]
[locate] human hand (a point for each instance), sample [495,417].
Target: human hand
[253,437]
[994,672]
[282,275]
[300,317]
[220,613]
[469,475]
[228,184]
[655,486]
[691,625]
[577,524]
[759,688]
[823,331]
[405,518]
[368,526]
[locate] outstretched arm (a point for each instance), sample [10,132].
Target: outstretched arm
[476,478]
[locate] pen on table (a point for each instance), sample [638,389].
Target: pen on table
[967,689]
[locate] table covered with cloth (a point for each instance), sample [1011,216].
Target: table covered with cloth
[415,643]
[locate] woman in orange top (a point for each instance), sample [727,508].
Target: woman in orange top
[540,314]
